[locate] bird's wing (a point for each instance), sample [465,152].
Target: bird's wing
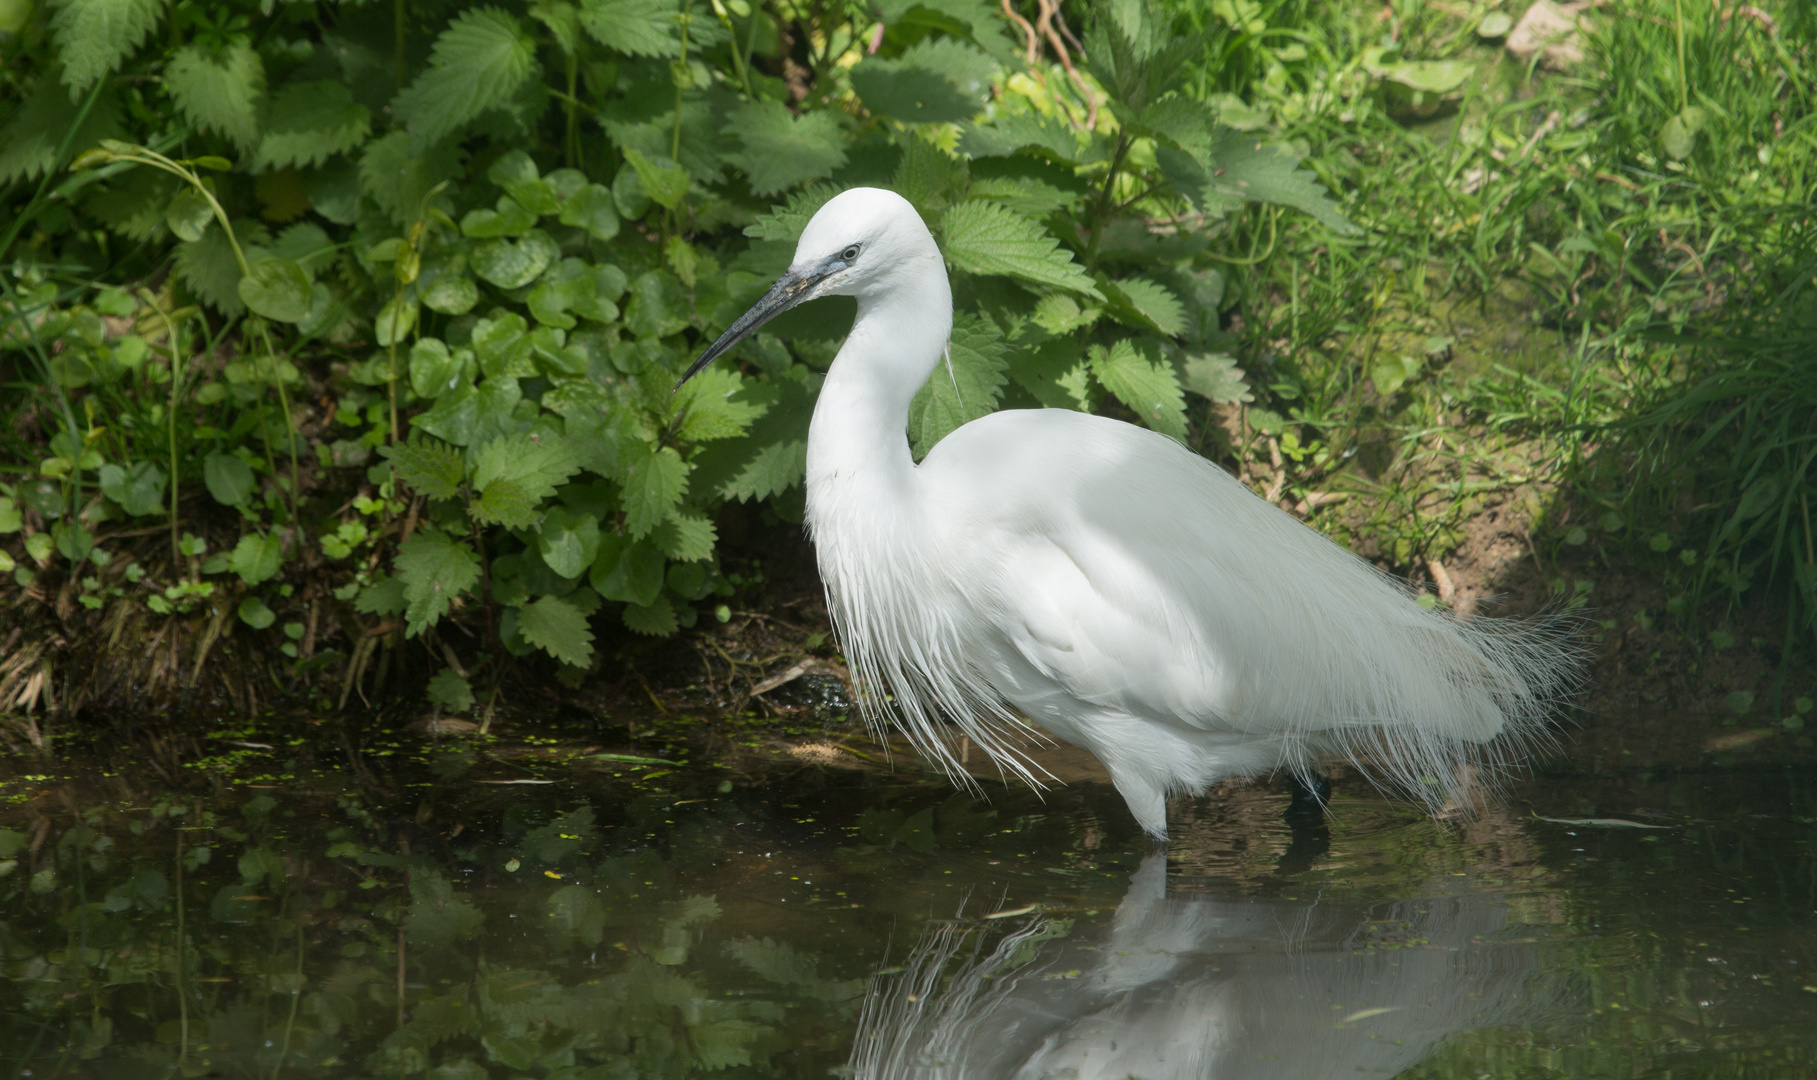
[1136,576]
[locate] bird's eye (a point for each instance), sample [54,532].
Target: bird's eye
[849,253]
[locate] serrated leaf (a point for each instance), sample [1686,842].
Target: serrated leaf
[1217,376]
[478,63]
[434,569]
[656,619]
[1016,133]
[711,407]
[637,27]
[1030,198]
[785,223]
[985,238]
[776,468]
[1148,305]
[559,629]
[568,542]
[306,244]
[433,469]
[256,557]
[781,149]
[1149,388]
[449,691]
[308,123]
[229,479]
[972,388]
[652,488]
[383,597]
[1236,167]
[513,475]
[686,537]
[33,132]
[278,289]
[219,90]
[933,81]
[94,36]
[132,204]
[210,270]
[397,178]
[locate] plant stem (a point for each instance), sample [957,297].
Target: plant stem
[1102,210]
[176,389]
[681,68]
[1684,89]
[571,140]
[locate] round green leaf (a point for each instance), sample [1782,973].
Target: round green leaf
[188,215]
[278,289]
[1495,24]
[255,614]
[514,264]
[228,478]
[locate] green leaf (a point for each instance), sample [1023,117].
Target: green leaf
[502,346]
[434,569]
[657,618]
[652,488]
[11,519]
[1431,76]
[933,81]
[256,557]
[210,270]
[219,90]
[780,149]
[31,135]
[784,224]
[383,597]
[189,215]
[568,542]
[513,475]
[711,406]
[1217,376]
[559,629]
[1149,388]
[1679,135]
[478,63]
[398,178]
[310,122]
[509,218]
[591,208]
[512,264]
[255,614]
[229,479]
[94,36]
[1236,167]
[1015,133]
[637,27]
[972,388]
[665,181]
[627,570]
[1391,371]
[985,238]
[278,289]
[139,490]
[686,537]
[450,291]
[434,469]
[1148,305]
[434,370]
[449,691]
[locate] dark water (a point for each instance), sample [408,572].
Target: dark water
[392,910]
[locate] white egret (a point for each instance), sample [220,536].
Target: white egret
[1107,583]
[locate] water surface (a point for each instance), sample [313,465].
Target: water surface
[317,902]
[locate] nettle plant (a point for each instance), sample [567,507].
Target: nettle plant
[487,276]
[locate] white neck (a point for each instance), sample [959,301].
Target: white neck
[858,441]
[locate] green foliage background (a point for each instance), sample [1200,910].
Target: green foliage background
[404,289]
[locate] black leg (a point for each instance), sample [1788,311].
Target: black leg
[1309,795]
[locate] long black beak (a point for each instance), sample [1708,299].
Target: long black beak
[790,289]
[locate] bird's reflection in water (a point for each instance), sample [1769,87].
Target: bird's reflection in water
[1188,986]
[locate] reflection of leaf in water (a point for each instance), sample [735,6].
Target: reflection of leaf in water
[260,864]
[676,940]
[437,916]
[780,964]
[448,1016]
[577,910]
[889,828]
[235,903]
[562,837]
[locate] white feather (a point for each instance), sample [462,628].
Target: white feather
[1121,591]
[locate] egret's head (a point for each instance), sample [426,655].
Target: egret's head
[859,242]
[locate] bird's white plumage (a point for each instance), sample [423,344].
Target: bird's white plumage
[1104,581]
